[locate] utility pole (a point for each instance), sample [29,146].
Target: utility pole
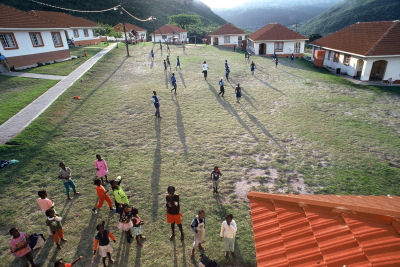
[123,24]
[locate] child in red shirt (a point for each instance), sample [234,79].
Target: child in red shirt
[102,194]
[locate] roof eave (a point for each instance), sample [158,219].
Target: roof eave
[277,40]
[30,29]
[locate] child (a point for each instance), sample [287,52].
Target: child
[137,229]
[252,67]
[119,195]
[178,63]
[198,226]
[228,234]
[156,103]
[165,65]
[291,58]
[102,241]
[125,223]
[65,174]
[19,246]
[43,202]
[227,70]
[221,87]
[226,64]
[276,62]
[173,211]
[101,167]
[173,82]
[60,263]
[238,93]
[168,63]
[102,194]
[215,174]
[55,227]
[152,54]
[205,69]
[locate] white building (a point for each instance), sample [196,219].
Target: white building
[227,35]
[80,30]
[132,31]
[369,51]
[169,34]
[276,38]
[26,39]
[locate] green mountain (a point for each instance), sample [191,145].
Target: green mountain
[349,12]
[160,9]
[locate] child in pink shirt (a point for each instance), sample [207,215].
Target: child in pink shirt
[101,167]
[19,246]
[43,202]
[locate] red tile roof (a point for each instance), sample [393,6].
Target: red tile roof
[275,31]
[365,38]
[63,19]
[228,28]
[168,29]
[128,27]
[14,18]
[325,230]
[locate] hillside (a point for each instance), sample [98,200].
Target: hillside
[349,12]
[161,9]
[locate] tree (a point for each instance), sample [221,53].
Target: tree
[314,37]
[184,20]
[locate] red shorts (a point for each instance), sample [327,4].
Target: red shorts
[174,218]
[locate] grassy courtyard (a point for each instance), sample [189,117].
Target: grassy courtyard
[297,130]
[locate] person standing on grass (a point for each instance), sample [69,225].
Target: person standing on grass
[178,63]
[215,175]
[43,202]
[4,62]
[137,226]
[20,247]
[173,82]
[198,225]
[252,67]
[221,87]
[61,263]
[165,65]
[119,195]
[168,63]
[55,227]
[160,46]
[156,103]
[238,93]
[102,241]
[227,71]
[152,54]
[169,50]
[173,211]
[228,235]
[65,175]
[276,62]
[274,56]
[205,69]
[102,194]
[226,64]
[125,223]
[291,58]
[101,167]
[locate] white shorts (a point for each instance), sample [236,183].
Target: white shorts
[103,250]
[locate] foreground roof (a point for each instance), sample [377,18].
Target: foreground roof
[325,230]
[275,31]
[168,29]
[14,19]
[228,28]
[128,27]
[365,38]
[63,19]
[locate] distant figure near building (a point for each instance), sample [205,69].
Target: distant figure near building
[178,63]
[221,87]
[238,93]
[4,62]
[291,58]
[168,63]
[205,68]
[252,67]
[173,82]
[156,103]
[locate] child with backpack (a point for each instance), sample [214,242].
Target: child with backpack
[137,223]
[19,246]
[198,225]
[102,241]
[102,194]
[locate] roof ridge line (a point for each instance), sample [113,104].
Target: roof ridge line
[380,39]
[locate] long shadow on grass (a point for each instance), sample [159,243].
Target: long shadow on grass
[175,258]
[244,90]
[180,126]
[183,254]
[84,247]
[231,110]
[117,259]
[43,252]
[123,261]
[138,256]
[270,86]
[182,79]
[244,95]
[155,175]
[166,80]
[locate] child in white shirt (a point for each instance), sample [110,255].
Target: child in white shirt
[228,234]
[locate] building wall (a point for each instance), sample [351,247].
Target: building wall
[288,48]
[81,35]
[25,46]
[234,40]
[170,37]
[33,59]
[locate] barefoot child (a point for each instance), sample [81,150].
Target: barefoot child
[102,194]
[173,211]
[43,202]
[65,175]
[137,229]
[101,167]
[228,234]
[61,263]
[215,174]
[198,226]
[125,222]
[102,241]
[19,246]
[55,227]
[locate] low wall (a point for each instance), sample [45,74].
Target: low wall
[33,59]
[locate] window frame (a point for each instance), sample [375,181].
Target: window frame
[14,40]
[61,41]
[227,37]
[276,44]
[348,57]
[86,32]
[297,47]
[77,33]
[336,56]
[41,39]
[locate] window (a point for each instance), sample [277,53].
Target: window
[336,57]
[346,60]
[57,39]
[8,41]
[297,47]
[278,46]
[36,39]
[227,39]
[86,32]
[329,55]
[76,33]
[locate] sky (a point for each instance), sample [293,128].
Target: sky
[223,3]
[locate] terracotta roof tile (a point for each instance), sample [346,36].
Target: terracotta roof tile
[228,28]
[14,18]
[325,230]
[168,29]
[64,19]
[275,31]
[365,38]
[129,27]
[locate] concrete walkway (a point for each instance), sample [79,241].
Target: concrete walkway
[34,75]
[13,126]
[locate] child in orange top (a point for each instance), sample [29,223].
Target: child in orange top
[60,263]
[102,194]
[102,240]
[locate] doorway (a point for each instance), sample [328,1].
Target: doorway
[359,68]
[261,49]
[215,41]
[378,70]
